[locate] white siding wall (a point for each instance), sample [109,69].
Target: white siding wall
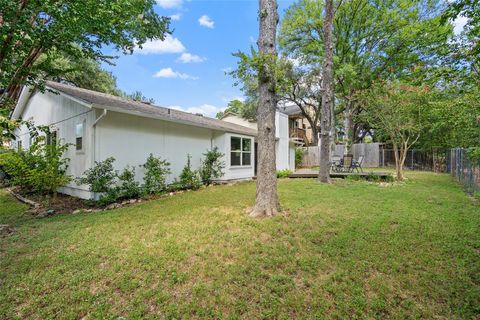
[130,139]
[63,114]
[237,172]
[240,121]
[282,144]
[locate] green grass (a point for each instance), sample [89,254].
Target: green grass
[349,250]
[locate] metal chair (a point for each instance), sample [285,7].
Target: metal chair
[335,163]
[357,164]
[347,165]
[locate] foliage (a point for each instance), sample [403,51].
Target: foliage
[372,40]
[156,170]
[397,112]
[247,110]
[284,173]
[79,29]
[138,96]
[473,153]
[299,153]
[41,168]
[189,179]
[128,188]
[212,166]
[82,72]
[101,177]
[7,127]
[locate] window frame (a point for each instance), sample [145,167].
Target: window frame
[241,151]
[82,149]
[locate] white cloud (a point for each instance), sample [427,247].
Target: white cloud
[190,58]
[205,109]
[206,21]
[169,73]
[169,4]
[169,45]
[176,17]
[459,23]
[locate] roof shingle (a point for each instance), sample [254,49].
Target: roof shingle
[124,105]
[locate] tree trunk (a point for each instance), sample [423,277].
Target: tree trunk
[266,204]
[327,96]
[399,161]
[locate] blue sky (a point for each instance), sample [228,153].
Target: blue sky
[187,71]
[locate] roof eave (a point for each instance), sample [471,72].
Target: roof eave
[171,119]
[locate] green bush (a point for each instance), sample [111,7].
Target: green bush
[41,168]
[299,152]
[128,188]
[353,177]
[101,177]
[189,179]
[212,167]
[156,170]
[284,173]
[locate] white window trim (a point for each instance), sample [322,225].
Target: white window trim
[82,150]
[240,166]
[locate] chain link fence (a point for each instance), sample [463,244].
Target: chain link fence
[465,170]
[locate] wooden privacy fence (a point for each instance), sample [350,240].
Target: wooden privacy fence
[370,151]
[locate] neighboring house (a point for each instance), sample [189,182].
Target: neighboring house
[284,146]
[101,126]
[300,129]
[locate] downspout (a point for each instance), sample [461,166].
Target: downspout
[94,134]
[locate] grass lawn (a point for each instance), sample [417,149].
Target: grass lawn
[348,250]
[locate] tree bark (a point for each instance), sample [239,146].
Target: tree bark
[327,95]
[266,204]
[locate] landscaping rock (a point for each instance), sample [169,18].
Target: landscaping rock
[5,229]
[77,211]
[113,206]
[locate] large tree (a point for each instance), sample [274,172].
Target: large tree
[266,204]
[372,40]
[327,95]
[32,28]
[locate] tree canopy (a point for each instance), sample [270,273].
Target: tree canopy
[79,29]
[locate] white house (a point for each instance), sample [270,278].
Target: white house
[284,146]
[101,126]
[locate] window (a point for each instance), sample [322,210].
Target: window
[240,151]
[19,145]
[79,134]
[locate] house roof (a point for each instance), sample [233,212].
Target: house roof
[289,109]
[124,105]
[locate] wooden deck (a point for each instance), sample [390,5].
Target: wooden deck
[314,174]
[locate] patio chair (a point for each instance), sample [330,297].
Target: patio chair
[347,165]
[357,164]
[335,163]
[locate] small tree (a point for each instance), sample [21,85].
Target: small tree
[156,170]
[397,112]
[212,167]
[128,188]
[189,179]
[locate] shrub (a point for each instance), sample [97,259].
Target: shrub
[156,170]
[49,166]
[41,168]
[189,179]
[128,188]
[299,152]
[284,173]
[353,177]
[101,177]
[212,167]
